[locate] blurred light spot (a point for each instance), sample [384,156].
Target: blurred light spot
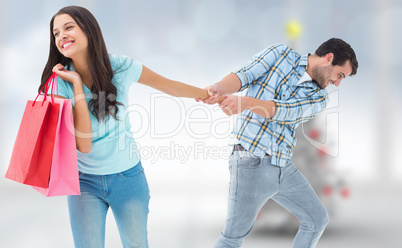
[293,29]
[314,134]
[327,190]
[345,193]
[322,151]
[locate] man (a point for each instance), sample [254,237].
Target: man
[284,90]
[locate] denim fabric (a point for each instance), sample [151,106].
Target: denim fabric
[126,193]
[254,180]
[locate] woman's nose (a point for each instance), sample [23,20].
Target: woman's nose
[62,35]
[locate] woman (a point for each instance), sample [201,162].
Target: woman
[111,175]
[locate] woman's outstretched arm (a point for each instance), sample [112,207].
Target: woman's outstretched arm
[171,87]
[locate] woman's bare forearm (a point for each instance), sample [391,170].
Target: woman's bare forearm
[82,120]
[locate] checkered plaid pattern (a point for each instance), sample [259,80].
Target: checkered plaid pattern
[273,74]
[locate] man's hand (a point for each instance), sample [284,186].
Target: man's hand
[227,86]
[213,96]
[232,105]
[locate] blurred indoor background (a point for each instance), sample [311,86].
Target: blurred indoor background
[354,144]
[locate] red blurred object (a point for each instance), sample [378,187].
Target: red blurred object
[327,190]
[322,151]
[345,193]
[314,134]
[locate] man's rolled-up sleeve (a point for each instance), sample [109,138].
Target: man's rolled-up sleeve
[259,65]
[296,111]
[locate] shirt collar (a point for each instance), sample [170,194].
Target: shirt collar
[304,78]
[304,62]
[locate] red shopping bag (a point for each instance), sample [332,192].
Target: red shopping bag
[33,148]
[64,179]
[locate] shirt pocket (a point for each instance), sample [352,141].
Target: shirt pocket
[284,92]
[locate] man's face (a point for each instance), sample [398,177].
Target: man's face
[327,73]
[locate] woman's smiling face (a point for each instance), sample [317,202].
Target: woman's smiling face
[70,39]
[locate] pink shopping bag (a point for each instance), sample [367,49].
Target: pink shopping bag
[33,148]
[64,178]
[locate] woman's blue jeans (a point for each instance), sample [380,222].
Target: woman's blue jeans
[126,193]
[252,182]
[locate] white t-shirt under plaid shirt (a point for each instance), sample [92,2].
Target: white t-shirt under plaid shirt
[273,74]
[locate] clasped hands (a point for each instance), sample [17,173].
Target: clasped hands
[230,104]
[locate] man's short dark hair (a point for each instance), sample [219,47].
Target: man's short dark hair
[342,52]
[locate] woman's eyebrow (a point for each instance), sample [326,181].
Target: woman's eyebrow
[64,25]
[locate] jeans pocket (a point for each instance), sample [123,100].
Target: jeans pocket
[132,173]
[249,162]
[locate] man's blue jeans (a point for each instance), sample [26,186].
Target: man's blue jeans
[252,182]
[126,193]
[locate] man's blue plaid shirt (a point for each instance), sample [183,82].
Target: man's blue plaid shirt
[273,74]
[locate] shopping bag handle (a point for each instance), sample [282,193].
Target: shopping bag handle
[51,82]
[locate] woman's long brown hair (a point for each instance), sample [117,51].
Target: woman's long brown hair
[104,92]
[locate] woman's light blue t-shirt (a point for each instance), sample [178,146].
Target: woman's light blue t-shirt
[113,147]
